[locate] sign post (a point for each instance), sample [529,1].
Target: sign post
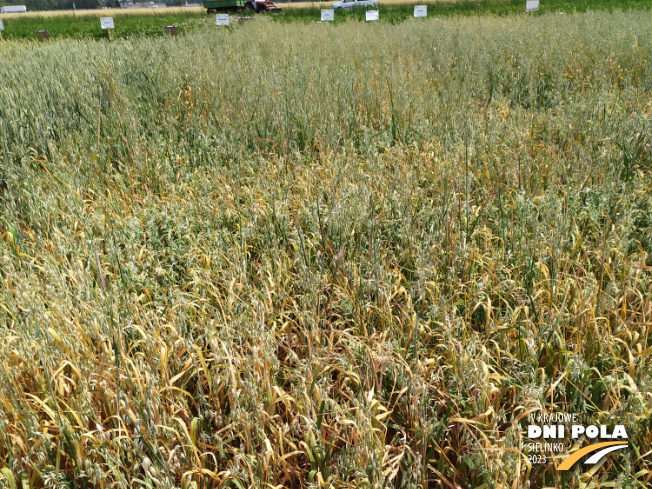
[107,23]
[327,15]
[532,6]
[420,11]
[222,19]
[372,15]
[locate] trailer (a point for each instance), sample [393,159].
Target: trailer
[213,6]
[13,9]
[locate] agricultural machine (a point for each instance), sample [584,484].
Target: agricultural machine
[213,6]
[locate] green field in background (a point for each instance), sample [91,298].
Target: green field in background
[400,12]
[88,26]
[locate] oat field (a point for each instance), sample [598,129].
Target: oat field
[354,255]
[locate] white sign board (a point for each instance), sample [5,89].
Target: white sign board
[421,11]
[2,25]
[372,15]
[327,15]
[222,19]
[532,6]
[107,22]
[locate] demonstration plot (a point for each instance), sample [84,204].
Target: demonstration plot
[402,253]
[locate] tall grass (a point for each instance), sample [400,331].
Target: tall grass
[306,256]
[131,23]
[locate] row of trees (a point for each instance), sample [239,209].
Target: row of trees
[65,4]
[79,4]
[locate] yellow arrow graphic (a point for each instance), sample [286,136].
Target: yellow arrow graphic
[571,459]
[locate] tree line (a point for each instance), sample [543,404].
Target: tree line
[78,4]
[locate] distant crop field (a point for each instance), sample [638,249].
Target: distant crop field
[88,26]
[103,12]
[398,10]
[296,255]
[168,10]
